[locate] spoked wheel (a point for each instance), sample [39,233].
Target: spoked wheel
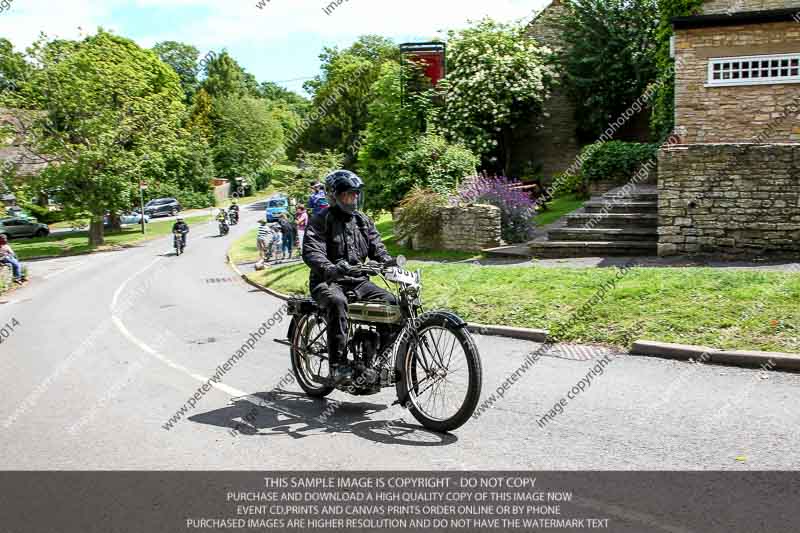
[310,355]
[440,373]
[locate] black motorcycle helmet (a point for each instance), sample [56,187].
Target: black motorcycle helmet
[342,181]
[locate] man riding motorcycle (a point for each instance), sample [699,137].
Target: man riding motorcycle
[222,219]
[335,241]
[181,227]
[233,212]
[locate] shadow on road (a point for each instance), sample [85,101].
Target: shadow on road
[298,416]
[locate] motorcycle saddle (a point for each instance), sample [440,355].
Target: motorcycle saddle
[301,306]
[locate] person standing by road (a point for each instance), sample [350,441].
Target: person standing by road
[318,202]
[300,223]
[288,236]
[264,241]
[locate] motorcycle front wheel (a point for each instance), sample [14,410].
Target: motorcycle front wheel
[440,374]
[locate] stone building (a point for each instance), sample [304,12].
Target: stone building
[731,187]
[554,146]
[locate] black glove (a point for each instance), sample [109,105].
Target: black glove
[338,271]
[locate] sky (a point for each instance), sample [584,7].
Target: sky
[280,41]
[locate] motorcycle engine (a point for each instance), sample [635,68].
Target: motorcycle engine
[365,344]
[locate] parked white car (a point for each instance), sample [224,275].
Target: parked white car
[128,218]
[133,218]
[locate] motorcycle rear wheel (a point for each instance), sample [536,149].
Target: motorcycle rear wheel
[309,340]
[425,362]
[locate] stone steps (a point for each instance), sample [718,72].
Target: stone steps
[604,205]
[612,224]
[612,220]
[557,249]
[604,234]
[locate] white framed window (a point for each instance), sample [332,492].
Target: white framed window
[753,70]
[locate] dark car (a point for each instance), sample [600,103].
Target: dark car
[16,227]
[162,207]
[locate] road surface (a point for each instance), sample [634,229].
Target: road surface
[108,347]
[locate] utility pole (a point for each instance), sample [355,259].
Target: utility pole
[142,187]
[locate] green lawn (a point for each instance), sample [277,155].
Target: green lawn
[703,306]
[244,249]
[77,242]
[557,208]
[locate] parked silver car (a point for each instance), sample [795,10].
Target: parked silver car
[16,227]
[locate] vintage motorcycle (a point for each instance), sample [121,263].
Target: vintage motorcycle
[178,241]
[224,228]
[428,356]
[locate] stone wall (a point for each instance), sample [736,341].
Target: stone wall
[762,113]
[471,228]
[729,200]
[716,7]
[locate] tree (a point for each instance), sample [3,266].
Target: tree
[392,130]
[112,112]
[341,95]
[608,59]
[13,68]
[183,60]
[200,115]
[247,136]
[497,78]
[225,77]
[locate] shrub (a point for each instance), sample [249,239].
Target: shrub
[419,213]
[615,160]
[516,207]
[435,164]
[571,184]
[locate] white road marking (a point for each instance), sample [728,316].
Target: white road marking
[125,283]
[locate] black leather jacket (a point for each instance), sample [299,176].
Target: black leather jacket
[335,235]
[180,226]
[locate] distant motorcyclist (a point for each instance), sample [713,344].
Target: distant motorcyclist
[181,227]
[222,218]
[233,212]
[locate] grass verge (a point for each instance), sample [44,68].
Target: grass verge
[77,242]
[557,208]
[701,306]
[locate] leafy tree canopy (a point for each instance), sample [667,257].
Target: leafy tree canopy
[609,57]
[247,136]
[183,60]
[225,77]
[112,112]
[496,78]
[341,94]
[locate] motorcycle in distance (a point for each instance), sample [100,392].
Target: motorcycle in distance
[223,224]
[233,215]
[178,242]
[425,355]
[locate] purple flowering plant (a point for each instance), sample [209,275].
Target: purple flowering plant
[516,207]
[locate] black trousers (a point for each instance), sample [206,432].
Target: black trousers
[331,297]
